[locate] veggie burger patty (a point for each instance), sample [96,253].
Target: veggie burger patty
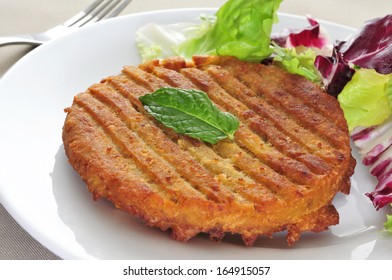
[280,172]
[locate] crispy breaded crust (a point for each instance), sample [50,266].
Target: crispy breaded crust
[288,159]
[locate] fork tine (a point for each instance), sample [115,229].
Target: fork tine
[96,11]
[119,8]
[105,10]
[73,20]
[93,14]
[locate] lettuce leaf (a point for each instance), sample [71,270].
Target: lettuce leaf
[388,224]
[300,62]
[156,41]
[365,99]
[242,29]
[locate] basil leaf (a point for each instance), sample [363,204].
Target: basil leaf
[190,112]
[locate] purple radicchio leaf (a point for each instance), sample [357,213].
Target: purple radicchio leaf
[373,142]
[382,194]
[371,46]
[280,38]
[375,146]
[335,71]
[309,36]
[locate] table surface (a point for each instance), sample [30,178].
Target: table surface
[27,16]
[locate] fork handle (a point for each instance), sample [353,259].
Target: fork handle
[19,39]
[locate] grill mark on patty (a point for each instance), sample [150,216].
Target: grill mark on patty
[256,191]
[173,78]
[259,171]
[108,152]
[144,79]
[278,96]
[309,93]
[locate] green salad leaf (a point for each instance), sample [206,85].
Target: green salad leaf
[241,29]
[388,224]
[190,112]
[158,41]
[366,100]
[298,61]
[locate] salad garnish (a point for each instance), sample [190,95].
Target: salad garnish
[190,112]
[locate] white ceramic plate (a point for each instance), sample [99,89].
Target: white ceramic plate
[44,194]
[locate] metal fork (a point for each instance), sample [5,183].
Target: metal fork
[96,11]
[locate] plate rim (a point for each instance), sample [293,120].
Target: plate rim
[6,202]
